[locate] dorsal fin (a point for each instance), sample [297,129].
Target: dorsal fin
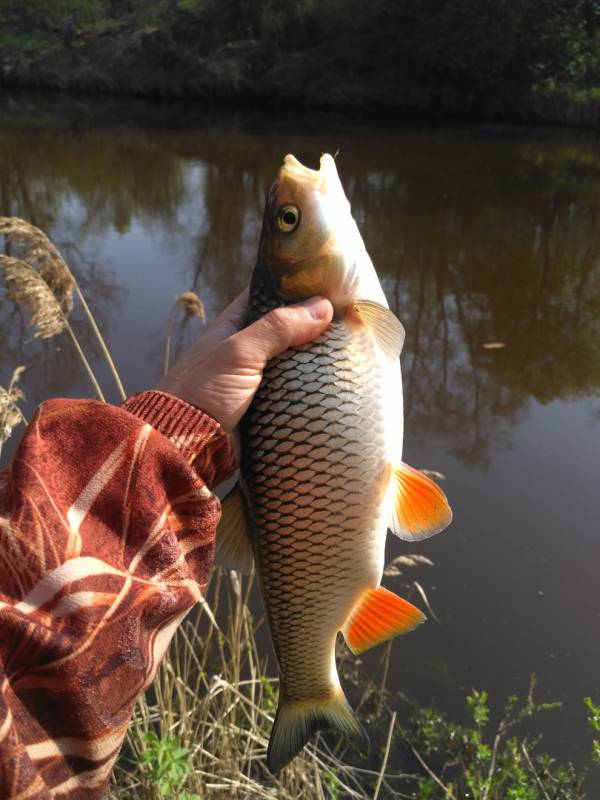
[383,324]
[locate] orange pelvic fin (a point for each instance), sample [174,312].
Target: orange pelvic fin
[420,508]
[379,615]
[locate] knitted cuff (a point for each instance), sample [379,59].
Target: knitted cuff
[199,438]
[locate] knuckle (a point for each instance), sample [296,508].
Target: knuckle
[282,322]
[231,350]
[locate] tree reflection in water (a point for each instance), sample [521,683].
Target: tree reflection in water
[477,237]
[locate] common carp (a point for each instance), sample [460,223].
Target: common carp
[322,476]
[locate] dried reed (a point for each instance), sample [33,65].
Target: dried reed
[192,307]
[35,249]
[10,413]
[27,288]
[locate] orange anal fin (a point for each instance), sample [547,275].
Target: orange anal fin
[419,507]
[379,615]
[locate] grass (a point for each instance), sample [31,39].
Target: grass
[213,703]
[202,729]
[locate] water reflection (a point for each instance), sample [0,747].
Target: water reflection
[477,238]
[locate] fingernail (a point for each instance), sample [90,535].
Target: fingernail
[317,307]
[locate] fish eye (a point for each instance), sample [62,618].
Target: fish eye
[288,218]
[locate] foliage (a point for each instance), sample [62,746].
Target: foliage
[500,764]
[166,763]
[431,56]
[594,723]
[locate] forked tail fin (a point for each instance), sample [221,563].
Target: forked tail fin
[295,723]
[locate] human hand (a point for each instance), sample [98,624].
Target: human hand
[222,371]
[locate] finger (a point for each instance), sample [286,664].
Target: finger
[229,321]
[288,326]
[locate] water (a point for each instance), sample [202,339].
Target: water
[480,235]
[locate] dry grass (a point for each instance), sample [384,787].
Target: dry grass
[213,694]
[191,305]
[10,413]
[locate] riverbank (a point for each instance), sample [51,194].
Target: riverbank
[407,64]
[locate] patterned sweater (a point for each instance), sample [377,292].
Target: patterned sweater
[107,527]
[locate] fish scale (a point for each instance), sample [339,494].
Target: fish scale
[314,469]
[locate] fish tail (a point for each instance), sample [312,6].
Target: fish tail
[295,722]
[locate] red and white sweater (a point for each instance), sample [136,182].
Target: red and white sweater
[107,526]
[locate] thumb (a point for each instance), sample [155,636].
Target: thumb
[287,326]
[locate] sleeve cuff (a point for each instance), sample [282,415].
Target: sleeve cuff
[199,437]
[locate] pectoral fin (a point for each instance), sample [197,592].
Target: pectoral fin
[419,507]
[384,325]
[234,545]
[379,615]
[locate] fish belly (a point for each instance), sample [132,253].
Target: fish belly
[315,472]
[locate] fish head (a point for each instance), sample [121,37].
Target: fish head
[310,242]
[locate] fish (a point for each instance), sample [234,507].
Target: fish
[322,477]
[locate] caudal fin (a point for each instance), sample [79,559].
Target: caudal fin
[295,723]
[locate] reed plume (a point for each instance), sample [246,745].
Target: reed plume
[27,288]
[192,307]
[10,413]
[33,248]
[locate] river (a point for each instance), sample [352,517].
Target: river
[481,235]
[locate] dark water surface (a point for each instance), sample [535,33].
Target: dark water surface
[479,235]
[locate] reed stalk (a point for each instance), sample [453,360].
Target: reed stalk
[101,342]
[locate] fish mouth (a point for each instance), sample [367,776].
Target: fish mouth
[296,183]
[294,175]
[297,172]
